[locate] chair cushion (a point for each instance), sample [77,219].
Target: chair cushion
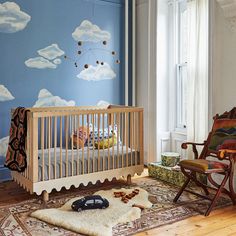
[224,135]
[203,165]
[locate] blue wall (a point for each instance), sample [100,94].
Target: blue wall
[53,22]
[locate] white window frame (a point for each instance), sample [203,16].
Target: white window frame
[178,133]
[176,124]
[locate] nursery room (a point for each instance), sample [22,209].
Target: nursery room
[118,117]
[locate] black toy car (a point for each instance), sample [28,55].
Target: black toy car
[90,202]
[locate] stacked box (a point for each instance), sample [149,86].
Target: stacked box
[170,174]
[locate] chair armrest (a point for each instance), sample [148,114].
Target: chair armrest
[185,146]
[224,153]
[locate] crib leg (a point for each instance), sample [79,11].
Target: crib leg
[45,196]
[129,179]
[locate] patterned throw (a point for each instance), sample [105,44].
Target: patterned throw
[16,155]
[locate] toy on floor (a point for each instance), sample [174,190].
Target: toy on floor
[90,202]
[126,197]
[139,206]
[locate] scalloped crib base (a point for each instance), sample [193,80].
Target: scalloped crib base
[67,182]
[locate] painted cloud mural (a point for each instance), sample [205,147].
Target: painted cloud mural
[3,146]
[89,32]
[57,61]
[40,63]
[46,99]
[12,19]
[5,94]
[97,73]
[51,52]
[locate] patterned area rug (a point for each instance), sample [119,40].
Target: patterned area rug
[15,219]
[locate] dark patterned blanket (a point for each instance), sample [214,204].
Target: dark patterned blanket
[16,154]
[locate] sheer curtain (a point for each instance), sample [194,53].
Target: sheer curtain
[197,105]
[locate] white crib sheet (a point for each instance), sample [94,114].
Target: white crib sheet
[77,164]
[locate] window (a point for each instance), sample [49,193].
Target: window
[98,201]
[181,67]
[90,202]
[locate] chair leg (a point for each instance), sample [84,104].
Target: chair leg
[193,177]
[181,189]
[129,179]
[232,193]
[45,196]
[199,184]
[216,195]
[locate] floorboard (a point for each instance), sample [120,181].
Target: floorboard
[221,222]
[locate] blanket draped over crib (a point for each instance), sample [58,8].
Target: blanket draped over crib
[16,154]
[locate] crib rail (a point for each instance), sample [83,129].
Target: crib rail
[71,141]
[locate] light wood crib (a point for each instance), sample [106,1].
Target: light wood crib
[55,160]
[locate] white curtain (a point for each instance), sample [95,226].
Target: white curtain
[146,73]
[197,106]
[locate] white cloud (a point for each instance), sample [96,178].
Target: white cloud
[57,61]
[40,63]
[103,104]
[12,19]
[90,33]
[5,94]
[46,99]
[51,52]
[96,73]
[46,54]
[3,146]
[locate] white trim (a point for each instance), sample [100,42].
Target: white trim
[210,64]
[133,52]
[152,84]
[126,52]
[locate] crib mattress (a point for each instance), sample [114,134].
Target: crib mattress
[64,170]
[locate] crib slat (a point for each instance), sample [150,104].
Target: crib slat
[141,136]
[113,156]
[34,149]
[55,146]
[127,137]
[49,147]
[108,156]
[83,144]
[72,144]
[61,146]
[135,135]
[103,128]
[98,142]
[42,146]
[131,135]
[123,139]
[118,139]
[93,144]
[28,149]
[66,141]
[77,146]
[88,132]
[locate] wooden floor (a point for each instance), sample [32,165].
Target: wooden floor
[221,222]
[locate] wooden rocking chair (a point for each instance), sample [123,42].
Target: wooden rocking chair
[221,144]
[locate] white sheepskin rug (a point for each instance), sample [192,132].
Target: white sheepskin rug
[97,222]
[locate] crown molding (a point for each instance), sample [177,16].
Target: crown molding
[229,10]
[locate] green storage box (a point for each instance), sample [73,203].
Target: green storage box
[170,159]
[169,174]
